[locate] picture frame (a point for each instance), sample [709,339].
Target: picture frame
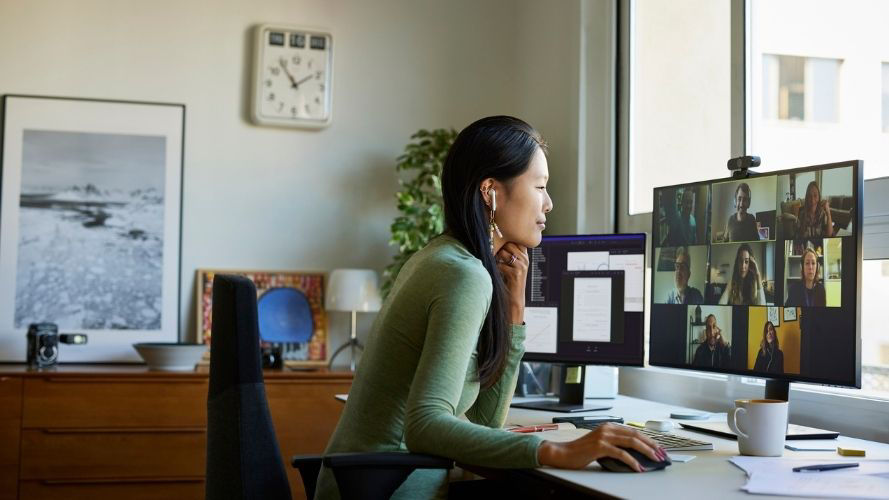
[790,314]
[311,354]
[90,223]
[772,314]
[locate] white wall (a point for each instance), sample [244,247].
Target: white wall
[269,198]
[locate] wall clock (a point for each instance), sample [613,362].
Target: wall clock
[292,76]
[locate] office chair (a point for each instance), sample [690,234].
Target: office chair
[243,459]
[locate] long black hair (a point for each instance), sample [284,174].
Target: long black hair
[498,147]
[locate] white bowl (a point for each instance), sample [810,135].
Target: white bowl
[169,356]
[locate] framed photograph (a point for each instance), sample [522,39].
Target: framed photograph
[90,216]
[290,311]
[789,314]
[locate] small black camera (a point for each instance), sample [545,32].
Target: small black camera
[43,343]
[744,162]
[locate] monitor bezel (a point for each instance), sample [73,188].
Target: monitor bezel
[581,359]
[857,190]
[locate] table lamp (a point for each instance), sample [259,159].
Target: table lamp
[353,290]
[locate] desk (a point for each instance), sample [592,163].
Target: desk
[710,475]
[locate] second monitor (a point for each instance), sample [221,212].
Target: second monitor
[572,318]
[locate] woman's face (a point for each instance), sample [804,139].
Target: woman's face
[687,202]
[810,266]
[770,334]
[744,262]
[742,201]
[812,198]
[712,328]
[522,204]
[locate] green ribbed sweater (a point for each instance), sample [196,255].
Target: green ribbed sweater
[418,376]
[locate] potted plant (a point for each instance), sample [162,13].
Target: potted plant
[419,198]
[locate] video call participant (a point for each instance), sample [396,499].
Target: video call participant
[449,338]
[808,291]
[713,353]
[682,228]
[741,226]
[745,286]
[682,293]
[769,358]
[814,215]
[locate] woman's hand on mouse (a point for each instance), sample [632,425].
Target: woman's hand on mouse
[607,440]
[512,260]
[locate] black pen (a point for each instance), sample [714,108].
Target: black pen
[819,468]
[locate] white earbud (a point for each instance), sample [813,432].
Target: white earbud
[493,200]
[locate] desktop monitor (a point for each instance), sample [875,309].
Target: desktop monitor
[760,276]
[574,313]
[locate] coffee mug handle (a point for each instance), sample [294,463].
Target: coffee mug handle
[733,423]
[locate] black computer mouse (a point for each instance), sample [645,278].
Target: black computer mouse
[615,465]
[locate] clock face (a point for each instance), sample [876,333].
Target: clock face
[292,77]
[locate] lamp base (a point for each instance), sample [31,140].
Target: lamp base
[354,344]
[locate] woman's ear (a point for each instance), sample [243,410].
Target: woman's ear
[488,192]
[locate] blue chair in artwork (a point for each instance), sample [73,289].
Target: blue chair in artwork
[285,317]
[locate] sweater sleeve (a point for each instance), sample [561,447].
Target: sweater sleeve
[492,404]
[455,316]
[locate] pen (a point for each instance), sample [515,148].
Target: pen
[821,467]
[535,428]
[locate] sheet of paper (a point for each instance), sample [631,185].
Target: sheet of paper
[756,465]
[587,261]
[592,310]
[817,484]
[541,328]
[633,267]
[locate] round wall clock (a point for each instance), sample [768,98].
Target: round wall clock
[292,76]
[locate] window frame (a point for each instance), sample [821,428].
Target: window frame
[715,392]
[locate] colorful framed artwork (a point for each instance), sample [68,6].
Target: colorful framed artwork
[789,314]
[290,312]
[90,217]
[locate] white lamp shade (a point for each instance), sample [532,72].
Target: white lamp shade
[353,290]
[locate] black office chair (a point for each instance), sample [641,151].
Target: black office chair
[243,459]
[371,476]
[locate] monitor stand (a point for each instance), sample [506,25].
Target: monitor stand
[571,398]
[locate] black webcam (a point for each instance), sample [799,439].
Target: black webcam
[744,162]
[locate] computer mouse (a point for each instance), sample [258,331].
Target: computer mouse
[615,465]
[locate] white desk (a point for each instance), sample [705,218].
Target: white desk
[710,475]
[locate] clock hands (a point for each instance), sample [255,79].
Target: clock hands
[304,80]
[293,82]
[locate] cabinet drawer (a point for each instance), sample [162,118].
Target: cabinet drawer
[135,489]
[111,453]
[81,402]
[9,478]
[10,398]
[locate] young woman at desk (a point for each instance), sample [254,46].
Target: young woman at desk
[449,337]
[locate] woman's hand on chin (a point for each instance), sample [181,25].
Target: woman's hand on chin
[512,260]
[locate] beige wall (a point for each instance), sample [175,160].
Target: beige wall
[262,197]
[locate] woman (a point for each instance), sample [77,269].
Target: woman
[809,291]
[712,353]
[741,226]
[814,216]
[745,286]
[449,338]
[769,359]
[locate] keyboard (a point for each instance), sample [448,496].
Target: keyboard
[671,442]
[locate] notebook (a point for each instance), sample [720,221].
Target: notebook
[793,431]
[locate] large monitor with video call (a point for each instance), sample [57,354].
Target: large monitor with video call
[761,276]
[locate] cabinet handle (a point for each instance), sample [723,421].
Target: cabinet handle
[130,480]
[128,430]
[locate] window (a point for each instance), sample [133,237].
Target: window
[680,107]
[813,79]
[799,88]
[885,97]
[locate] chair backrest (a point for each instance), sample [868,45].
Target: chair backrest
[243,458]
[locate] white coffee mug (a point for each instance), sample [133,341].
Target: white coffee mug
[761,426]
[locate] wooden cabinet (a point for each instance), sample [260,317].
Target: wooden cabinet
[114,432]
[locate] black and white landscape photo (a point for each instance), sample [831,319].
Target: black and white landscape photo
[90,249]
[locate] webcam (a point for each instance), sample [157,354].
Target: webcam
[744,162]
